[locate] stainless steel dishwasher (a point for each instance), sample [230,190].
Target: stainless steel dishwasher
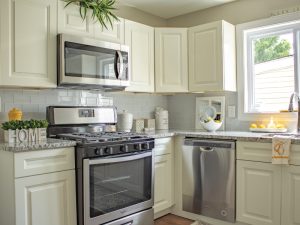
[208,178]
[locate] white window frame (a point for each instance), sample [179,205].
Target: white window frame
[243,66]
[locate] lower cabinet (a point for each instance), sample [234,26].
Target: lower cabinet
[291,195]
[267,194]
[258,193]
[46,199]
[38,187]
[164,174]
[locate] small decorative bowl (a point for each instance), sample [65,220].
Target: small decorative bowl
[211,126]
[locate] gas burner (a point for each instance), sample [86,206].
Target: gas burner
[101,137]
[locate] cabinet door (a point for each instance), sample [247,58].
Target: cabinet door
[70,22]
[291,195]
[163,183]
[258,193]
[140,39]
[114,34]
[28,36]
[205,51]
[171,69]
[46,199]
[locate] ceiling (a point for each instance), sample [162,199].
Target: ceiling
[170,8]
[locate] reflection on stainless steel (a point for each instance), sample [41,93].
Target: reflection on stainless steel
[208,168]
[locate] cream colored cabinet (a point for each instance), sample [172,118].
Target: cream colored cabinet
[291,195]
[46,199]
[28,43]
[70,22]
[267,194]
[38,187]
[114,34]
[212,62]
[164,174]
[258,193]
[171,60]
[140,39]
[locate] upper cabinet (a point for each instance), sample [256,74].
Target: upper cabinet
[140,39]
[212,60]
[28,43]
[171,60]
[70,22]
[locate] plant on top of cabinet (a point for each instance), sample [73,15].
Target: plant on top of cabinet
[101,10]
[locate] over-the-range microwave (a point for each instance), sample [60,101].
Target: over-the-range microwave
[92,64]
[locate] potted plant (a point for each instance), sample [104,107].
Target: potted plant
[101,10]
[16,131]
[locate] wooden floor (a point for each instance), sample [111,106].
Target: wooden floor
[172,220]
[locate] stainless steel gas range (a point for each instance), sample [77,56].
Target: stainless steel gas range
[114,170]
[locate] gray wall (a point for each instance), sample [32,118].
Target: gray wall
[237,12]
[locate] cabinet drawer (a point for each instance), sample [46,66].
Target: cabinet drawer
[163,146]
[40,162]
[262,152]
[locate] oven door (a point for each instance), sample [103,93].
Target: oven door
[83,61]
[117,186]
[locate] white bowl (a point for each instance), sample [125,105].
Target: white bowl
[211,126]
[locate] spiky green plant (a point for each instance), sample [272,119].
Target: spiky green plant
[101,10]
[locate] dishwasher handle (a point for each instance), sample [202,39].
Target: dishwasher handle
[206,149]
[209,144]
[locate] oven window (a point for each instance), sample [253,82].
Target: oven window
[89,61]
[118,185]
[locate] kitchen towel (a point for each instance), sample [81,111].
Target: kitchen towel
[281,149]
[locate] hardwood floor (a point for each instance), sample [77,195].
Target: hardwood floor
[172,220]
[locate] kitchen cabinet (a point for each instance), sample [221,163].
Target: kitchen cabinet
[70,22]
[164,174]
[114,34]
[46,199]
[38,187]
[28,43]
[258,193]
[266,193]
[140,39]
[291,195]
[171,60]
[212,61]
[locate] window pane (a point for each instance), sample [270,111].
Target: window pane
[273,72]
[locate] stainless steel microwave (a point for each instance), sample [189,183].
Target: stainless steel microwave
[92,64]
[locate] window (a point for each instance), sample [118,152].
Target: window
[267,64]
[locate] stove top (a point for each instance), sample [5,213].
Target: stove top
[101,137]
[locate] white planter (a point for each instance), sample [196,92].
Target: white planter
[25,135]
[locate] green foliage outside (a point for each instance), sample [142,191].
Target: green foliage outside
[270,48]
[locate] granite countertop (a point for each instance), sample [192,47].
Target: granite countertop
[228,135]
[49,144]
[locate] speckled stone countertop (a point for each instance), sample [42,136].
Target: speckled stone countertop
[34,146]
[228,135]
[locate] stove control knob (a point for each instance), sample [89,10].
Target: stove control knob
[138,146]
[108,150]
[98,151]
[146,146]
[124,148]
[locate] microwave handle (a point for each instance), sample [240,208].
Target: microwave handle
[121,68]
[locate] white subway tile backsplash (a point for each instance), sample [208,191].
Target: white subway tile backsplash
[91,101]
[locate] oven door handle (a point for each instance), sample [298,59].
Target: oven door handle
[119,159]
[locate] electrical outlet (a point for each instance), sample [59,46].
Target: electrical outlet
[231,111]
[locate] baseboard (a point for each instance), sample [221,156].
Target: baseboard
[162,213]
